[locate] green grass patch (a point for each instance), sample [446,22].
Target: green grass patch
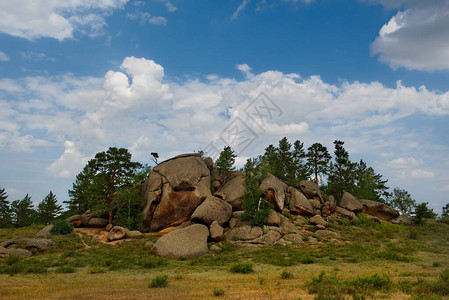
[159,281]
[287,275]
[243,268]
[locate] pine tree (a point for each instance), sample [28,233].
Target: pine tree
[301,171]
[23,213]
[402,201]
[5,210]
[80,194]
[114,170]
[445,211]
[48,209]
[318,159]
[341,178]
[226,160]
[370,185]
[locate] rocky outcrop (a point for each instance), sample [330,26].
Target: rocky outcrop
[234,190]
[174,189]
[318,220]
[39,244]
[44,232]
[298,203]
[244,233]
[349,202]
[5,252]
[76,220]
[212,209]
[274,189]
[344,213]
[186,242]
[380,210]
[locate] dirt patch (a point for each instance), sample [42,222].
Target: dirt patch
[100,232]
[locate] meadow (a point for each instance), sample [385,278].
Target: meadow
[368,261]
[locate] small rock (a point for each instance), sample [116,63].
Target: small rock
[75,220]
[117,233]
[320,227]
[295,238]
[312,240]
[326,234]
[216,231]
[132,234]
[374,219]
[215,248]
[245,233]
[233,222]
[318,220]
[4,252]
[109,227]
[97,223]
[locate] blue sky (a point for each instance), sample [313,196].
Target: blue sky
[78,76]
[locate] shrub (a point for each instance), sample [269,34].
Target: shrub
[286,275]
[242,268]
[218,292]
[159,281]
[96,270]
[61,227]
[65,269]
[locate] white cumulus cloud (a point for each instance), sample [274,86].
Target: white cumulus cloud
[417,37]
[69,164]
[3,56]
[57,19]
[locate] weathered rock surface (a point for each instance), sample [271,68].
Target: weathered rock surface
[234,190]
[295,238]
[174,189]
[318,220]
[349,202]
[97,223]
[244,233]
[380,210]
[310,190]
[75,220]
[38,244]
[186,242]
[85,218]
[108,227]
[44,232]
[344,213]
[298,203]
[273,219]
[117,233]
[274,189]
[216,231]
[212,209]
[4,252]
[131,234]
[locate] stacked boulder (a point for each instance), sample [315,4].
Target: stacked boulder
[178,195]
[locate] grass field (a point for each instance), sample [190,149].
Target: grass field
[369,261]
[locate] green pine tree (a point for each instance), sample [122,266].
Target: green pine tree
[341,177]
[23,213]
[5,210]
[318,160]
[80,194]
[48,209]
[402,201]
[225,162]
[369,185]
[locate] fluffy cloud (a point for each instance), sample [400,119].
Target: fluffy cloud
[57,19]
[3,56]
[416,38]
[70,162]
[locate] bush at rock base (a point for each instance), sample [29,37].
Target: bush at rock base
[61,227]
[159,281]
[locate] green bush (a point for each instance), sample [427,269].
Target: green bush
[218,292]
[96,270]
[65,269]
[242,268]
[61,227]
[286,275]
[159,281]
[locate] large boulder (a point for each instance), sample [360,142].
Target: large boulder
[349,202]
[234,190]
[97,223]
[273,219]
[75,220]
[274,189]
[38,244]
[117,233]
[298,204]
[311,190]
[186,242]
[318,220]
[44,232]
[216,231]
[402,219]
[380,210]
[85,218]
[212,209]
[174,189]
